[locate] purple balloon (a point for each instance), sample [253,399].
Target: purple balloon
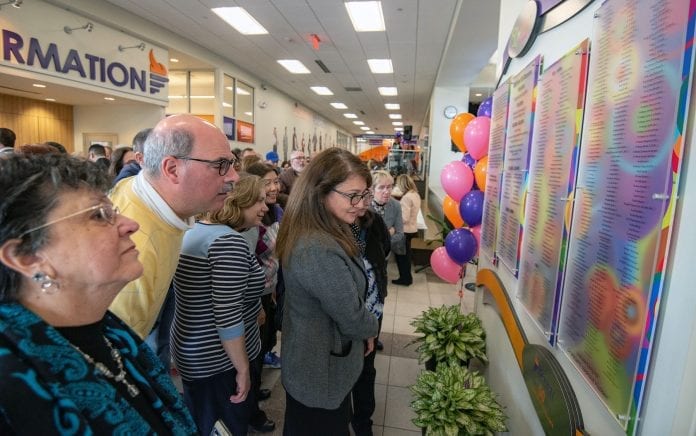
[471,208]
[486,108]
[461,245]
[470,161]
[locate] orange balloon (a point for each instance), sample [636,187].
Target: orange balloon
[480,170]
[457,129]
[451,209]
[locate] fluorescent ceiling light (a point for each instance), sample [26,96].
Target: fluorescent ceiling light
[366,16]
[478,94]
[294,66]
[350,115]
[241,91]
[359,123]
[248,113]
[387,90]
[38,85]
[364,128]
[398,129]
[321,90]
[395,116]
[392,106]
[50,99]
[370,132]
[175,60]
[380,66]
[338,105]
[240,19]
[397,123]
[109,98]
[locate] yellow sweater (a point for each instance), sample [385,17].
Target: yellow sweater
[159,244]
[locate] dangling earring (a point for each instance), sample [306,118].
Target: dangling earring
[46,282]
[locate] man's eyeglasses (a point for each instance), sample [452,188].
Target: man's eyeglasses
[105,213]
[222,165]
[355,198]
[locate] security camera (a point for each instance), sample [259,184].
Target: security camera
[263,86]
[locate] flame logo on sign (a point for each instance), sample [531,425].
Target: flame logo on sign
[158,74]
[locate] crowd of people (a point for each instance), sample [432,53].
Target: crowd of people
[179,255]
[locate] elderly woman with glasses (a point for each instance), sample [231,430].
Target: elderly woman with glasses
[326,327]
[67,364]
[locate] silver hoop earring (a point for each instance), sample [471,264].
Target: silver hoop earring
[46,282]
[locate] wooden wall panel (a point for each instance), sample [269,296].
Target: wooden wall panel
[37,121]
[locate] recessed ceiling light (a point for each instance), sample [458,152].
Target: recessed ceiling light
[387,90]
[38,85]
[175,60]
[397,123]
[338,105]
[350,115]
[478,94]
[294,66]
[359,123]
[321,90]
[241,20]
[366,16]
[398,129]
[109,98]
[380,66]
[395,116]
[50,99]
[392,106]
[370,132]
[364,128]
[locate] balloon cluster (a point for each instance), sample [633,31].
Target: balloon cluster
[464,183]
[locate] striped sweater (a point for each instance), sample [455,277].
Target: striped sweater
[217,283]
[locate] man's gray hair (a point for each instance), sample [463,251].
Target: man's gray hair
[161,143]
[139,139]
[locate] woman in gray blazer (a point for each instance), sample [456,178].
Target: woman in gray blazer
[326,328]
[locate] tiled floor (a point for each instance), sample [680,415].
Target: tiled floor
[397,365]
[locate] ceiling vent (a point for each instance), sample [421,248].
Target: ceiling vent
[353,89]
[323,66]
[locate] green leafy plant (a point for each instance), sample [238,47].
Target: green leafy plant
[455,401]
[447,335]
[443,227]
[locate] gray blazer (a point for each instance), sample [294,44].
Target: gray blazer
[324,322]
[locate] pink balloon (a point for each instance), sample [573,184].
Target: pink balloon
[476,137]
[443,266]
[477,234]
[457,179]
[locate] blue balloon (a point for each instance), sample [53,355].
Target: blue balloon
[461,245]
[471,208]
[486,108]
[470,161]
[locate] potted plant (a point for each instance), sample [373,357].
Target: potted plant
[443,229]
[447,335]
[455,401]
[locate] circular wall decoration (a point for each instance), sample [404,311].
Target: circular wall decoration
[525,30]
[450,112]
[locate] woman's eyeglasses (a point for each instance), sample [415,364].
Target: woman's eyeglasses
[105,213]
[222,165]
[355,198]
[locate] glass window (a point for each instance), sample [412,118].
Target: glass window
[228,97]
[178,92]
[245,102]
[202,92]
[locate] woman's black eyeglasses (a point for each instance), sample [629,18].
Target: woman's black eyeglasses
[355,198]
[222,165]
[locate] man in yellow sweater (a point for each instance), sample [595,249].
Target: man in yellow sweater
[187,169]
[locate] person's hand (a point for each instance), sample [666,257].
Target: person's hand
[369,346]
[392,230]
[261,320]
[243,386]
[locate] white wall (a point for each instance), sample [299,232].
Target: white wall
[125,120]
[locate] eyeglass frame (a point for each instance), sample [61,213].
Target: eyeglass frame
[102,207]
[223,165]
[366,194]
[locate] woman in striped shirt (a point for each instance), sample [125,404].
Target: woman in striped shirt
[215,334]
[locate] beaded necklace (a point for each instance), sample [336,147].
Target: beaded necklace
[121,376]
